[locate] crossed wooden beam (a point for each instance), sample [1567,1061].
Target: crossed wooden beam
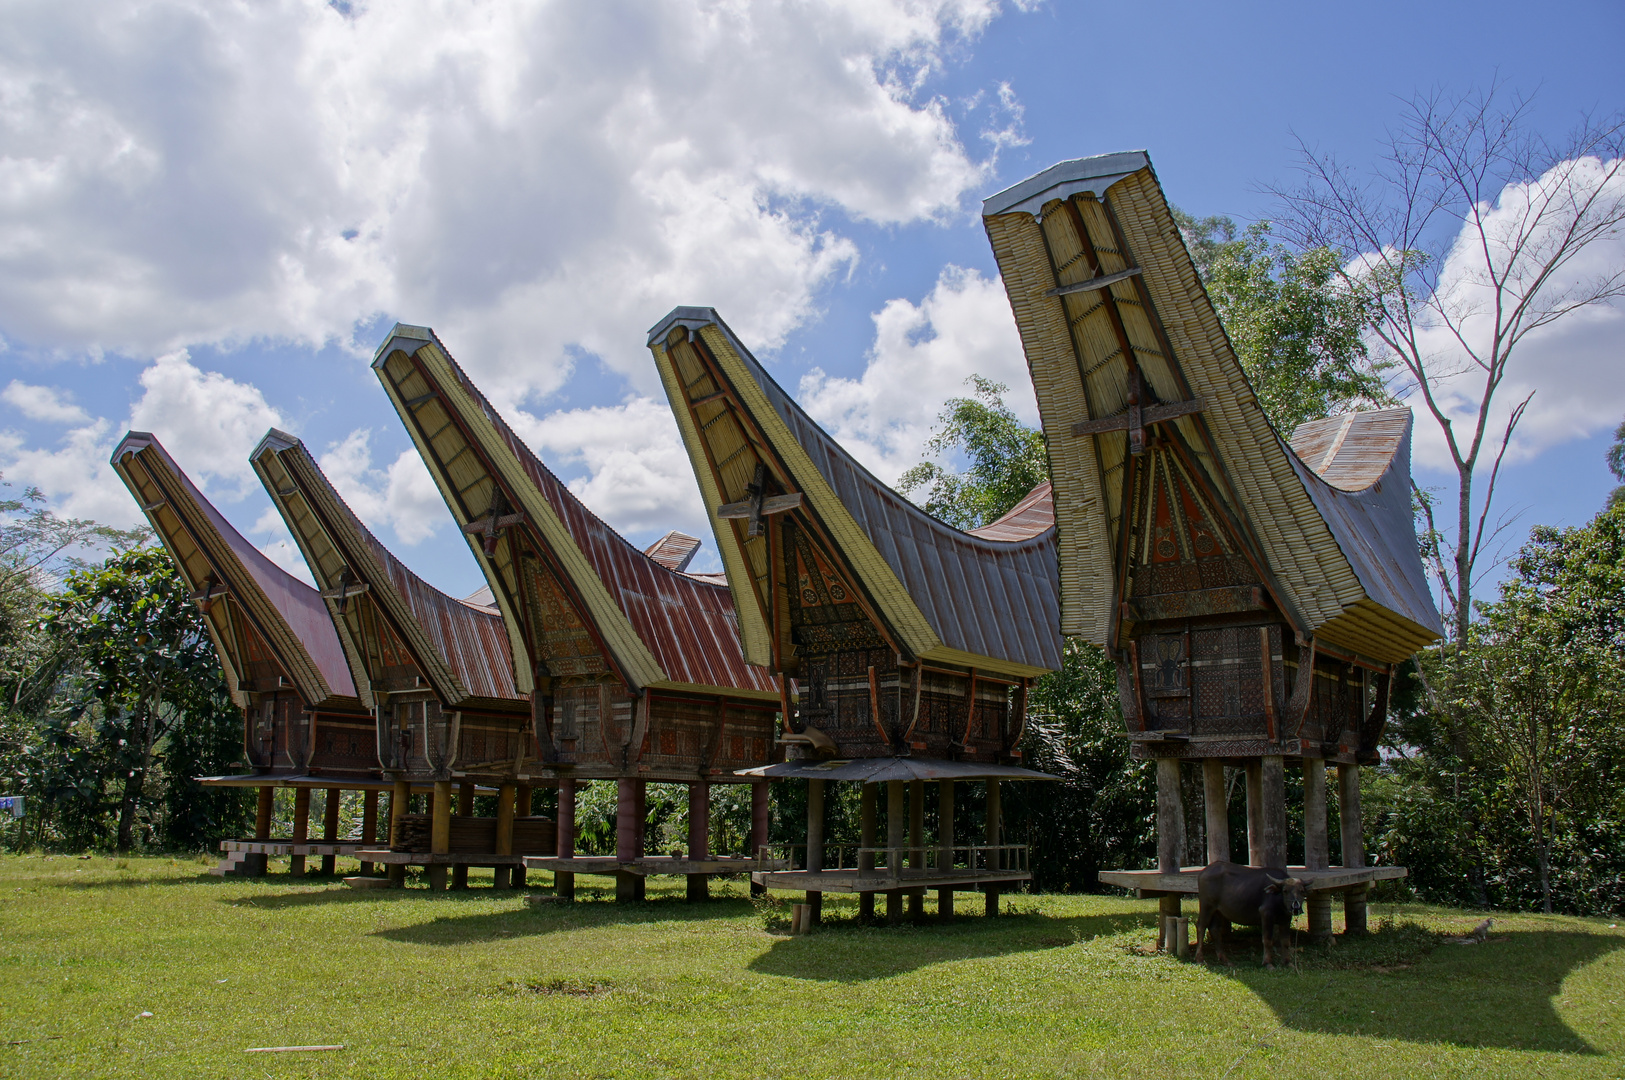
[758,504]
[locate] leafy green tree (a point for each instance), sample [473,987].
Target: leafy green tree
[1006,459]
[1297,327]
[1616,465]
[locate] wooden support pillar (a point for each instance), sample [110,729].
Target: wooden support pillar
[815,847]
[501,875]
[399,796]
[521,808]
[759,819]
[699,837]
[1170,817]
[369,825]
[995,830]
[896,837]
[254,864]
[1348,812]
[916,845]
[945,846]
[1316,846]
[1272,805]
[301,829]
[866,839]
[1255,813]
[1216,810]
[330,828]
[564,845]
[465,808]
[439,831]
[628,837]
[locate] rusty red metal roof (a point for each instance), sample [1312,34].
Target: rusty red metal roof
[674,551]
[1030,517]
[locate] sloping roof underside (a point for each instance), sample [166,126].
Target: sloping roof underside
[461,648]
[963,597]
[287,613]
[1041,231]
[661,628]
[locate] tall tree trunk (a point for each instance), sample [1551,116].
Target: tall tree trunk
[126,812]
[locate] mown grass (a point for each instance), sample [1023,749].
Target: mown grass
[478,984]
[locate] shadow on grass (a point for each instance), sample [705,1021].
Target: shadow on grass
[1497,994]
[845,951]
[585,913]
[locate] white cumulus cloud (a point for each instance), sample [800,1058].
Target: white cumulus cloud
[401,494]
[43,403]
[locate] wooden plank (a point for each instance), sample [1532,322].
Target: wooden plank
[1094,283]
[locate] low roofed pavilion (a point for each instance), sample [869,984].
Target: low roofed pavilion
[1254,593]
[303,724]
[633,670]
[910,644]
[434,671]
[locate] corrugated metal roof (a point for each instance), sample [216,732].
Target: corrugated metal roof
[975,596]
[674,551]
[1030,517]
[660,627]
[445,636]
[482,597]
[292,615]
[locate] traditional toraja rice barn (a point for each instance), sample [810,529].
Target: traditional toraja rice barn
[434,671]
[1254,595]
[303,725]
[633,670]
[911,644]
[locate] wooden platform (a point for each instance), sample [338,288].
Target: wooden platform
[851,881]
[1151,883]
[426,858]
[650,865]
[288,847]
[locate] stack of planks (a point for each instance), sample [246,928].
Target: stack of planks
[476,835]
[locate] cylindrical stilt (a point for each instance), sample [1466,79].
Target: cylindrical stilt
[1255,813]
[1167,908]
[501,875]
[465,808]
[301,829]
[995,830]
[896,837]
[369,825]
[439,831]
[1182,937]
[815,847]
[945,846]
[564,882]
[1316,846]
[254,863]
[1216,810]
[399,796]
[916,845]
[866,839]
[521,808]
[699,837]
[1353,833]
[330,828]
[1170,817]
[1272,783]
[758,827]
[628,837]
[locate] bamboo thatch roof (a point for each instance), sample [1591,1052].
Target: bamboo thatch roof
[1097,273]
[257,613]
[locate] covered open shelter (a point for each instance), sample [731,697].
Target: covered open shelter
[1255,593]
[903,648]
[633,669]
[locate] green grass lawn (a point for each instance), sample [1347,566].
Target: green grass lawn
[476,983]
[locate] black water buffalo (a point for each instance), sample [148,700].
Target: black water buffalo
[1253,896]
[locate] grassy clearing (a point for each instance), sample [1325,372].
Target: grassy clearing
[478,984]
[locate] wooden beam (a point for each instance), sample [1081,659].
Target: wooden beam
[1094,283]
[1151,414]
[771,504]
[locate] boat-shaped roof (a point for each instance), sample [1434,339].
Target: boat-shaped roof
[657,627]
[985,598]
[461,648]
[284,615]
[1093,262]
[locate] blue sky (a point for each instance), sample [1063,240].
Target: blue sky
[206,246]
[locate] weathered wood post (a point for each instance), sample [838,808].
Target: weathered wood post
[815,847]
[465,808]
[564,844]
[254,865]
[369,825]
[501,875]
[1255,812]
[628,836]
[301,829]
[945,846]
[1272,780]
[699,837]
[1216,810]
[896,837]
[995,830]
[330,828]
[439,832]
[1353,831]
[1316,850]
[759,821]
[521,808]
[399,796]
[1170,839]
[866,839]
[916,845]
